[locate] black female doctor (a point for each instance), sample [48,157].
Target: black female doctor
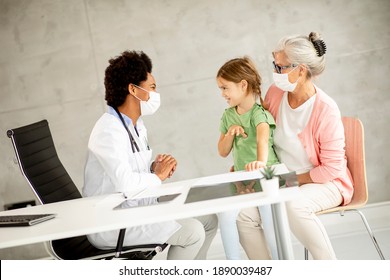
[120,160]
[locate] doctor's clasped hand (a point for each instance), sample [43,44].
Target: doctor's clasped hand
[164,166]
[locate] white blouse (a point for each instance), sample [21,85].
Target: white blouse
[290,123]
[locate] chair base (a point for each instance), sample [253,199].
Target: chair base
[76,248]
[368,228]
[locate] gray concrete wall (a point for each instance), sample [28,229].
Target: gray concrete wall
[54,53]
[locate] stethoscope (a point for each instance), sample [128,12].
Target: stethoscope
[134,145]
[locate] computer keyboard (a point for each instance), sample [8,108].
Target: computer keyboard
[24,220]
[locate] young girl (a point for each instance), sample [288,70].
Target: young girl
[246,130]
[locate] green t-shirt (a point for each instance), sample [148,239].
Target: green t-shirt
[245,149]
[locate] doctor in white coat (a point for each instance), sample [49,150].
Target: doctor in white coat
[120,160]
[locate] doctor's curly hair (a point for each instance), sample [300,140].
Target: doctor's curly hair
[131,67]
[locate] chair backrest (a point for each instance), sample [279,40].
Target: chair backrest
[40,165]
[354,149]
[50,182]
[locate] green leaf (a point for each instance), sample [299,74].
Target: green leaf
[268,172]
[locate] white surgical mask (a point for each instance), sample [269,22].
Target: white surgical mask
[150,106]
[282,82]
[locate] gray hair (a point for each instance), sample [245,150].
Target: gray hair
[306,50]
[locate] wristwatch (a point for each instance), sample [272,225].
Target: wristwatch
[151,168]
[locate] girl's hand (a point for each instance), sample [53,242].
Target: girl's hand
[236,130]
[254,165]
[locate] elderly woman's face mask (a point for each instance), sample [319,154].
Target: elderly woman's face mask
[282,81]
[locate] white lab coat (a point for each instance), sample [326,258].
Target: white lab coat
[112,167]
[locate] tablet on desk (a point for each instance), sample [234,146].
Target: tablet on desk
[228,189]
[146,201]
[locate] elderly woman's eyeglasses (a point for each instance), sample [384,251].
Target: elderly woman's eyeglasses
[279,69]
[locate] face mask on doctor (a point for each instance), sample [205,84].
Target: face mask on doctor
[282,82]
[150,106]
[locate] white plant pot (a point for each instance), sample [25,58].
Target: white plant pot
[271,186]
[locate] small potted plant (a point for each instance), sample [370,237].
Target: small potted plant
[270,182]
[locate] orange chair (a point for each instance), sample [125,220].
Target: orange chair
[354,150]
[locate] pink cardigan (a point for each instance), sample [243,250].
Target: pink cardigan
[323,140]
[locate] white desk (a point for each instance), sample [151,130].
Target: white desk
[94,214]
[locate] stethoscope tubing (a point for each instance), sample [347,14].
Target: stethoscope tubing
[134,145]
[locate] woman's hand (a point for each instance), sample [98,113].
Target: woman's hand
[304,179]
[254,165]
[164,166]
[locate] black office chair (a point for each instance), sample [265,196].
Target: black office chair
[50,182]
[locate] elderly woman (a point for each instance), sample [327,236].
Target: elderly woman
[309,139]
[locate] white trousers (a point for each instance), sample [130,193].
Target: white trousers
[303,221]
[193,239]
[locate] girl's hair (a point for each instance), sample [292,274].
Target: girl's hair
[238,69]
[131,67]
[306,50]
